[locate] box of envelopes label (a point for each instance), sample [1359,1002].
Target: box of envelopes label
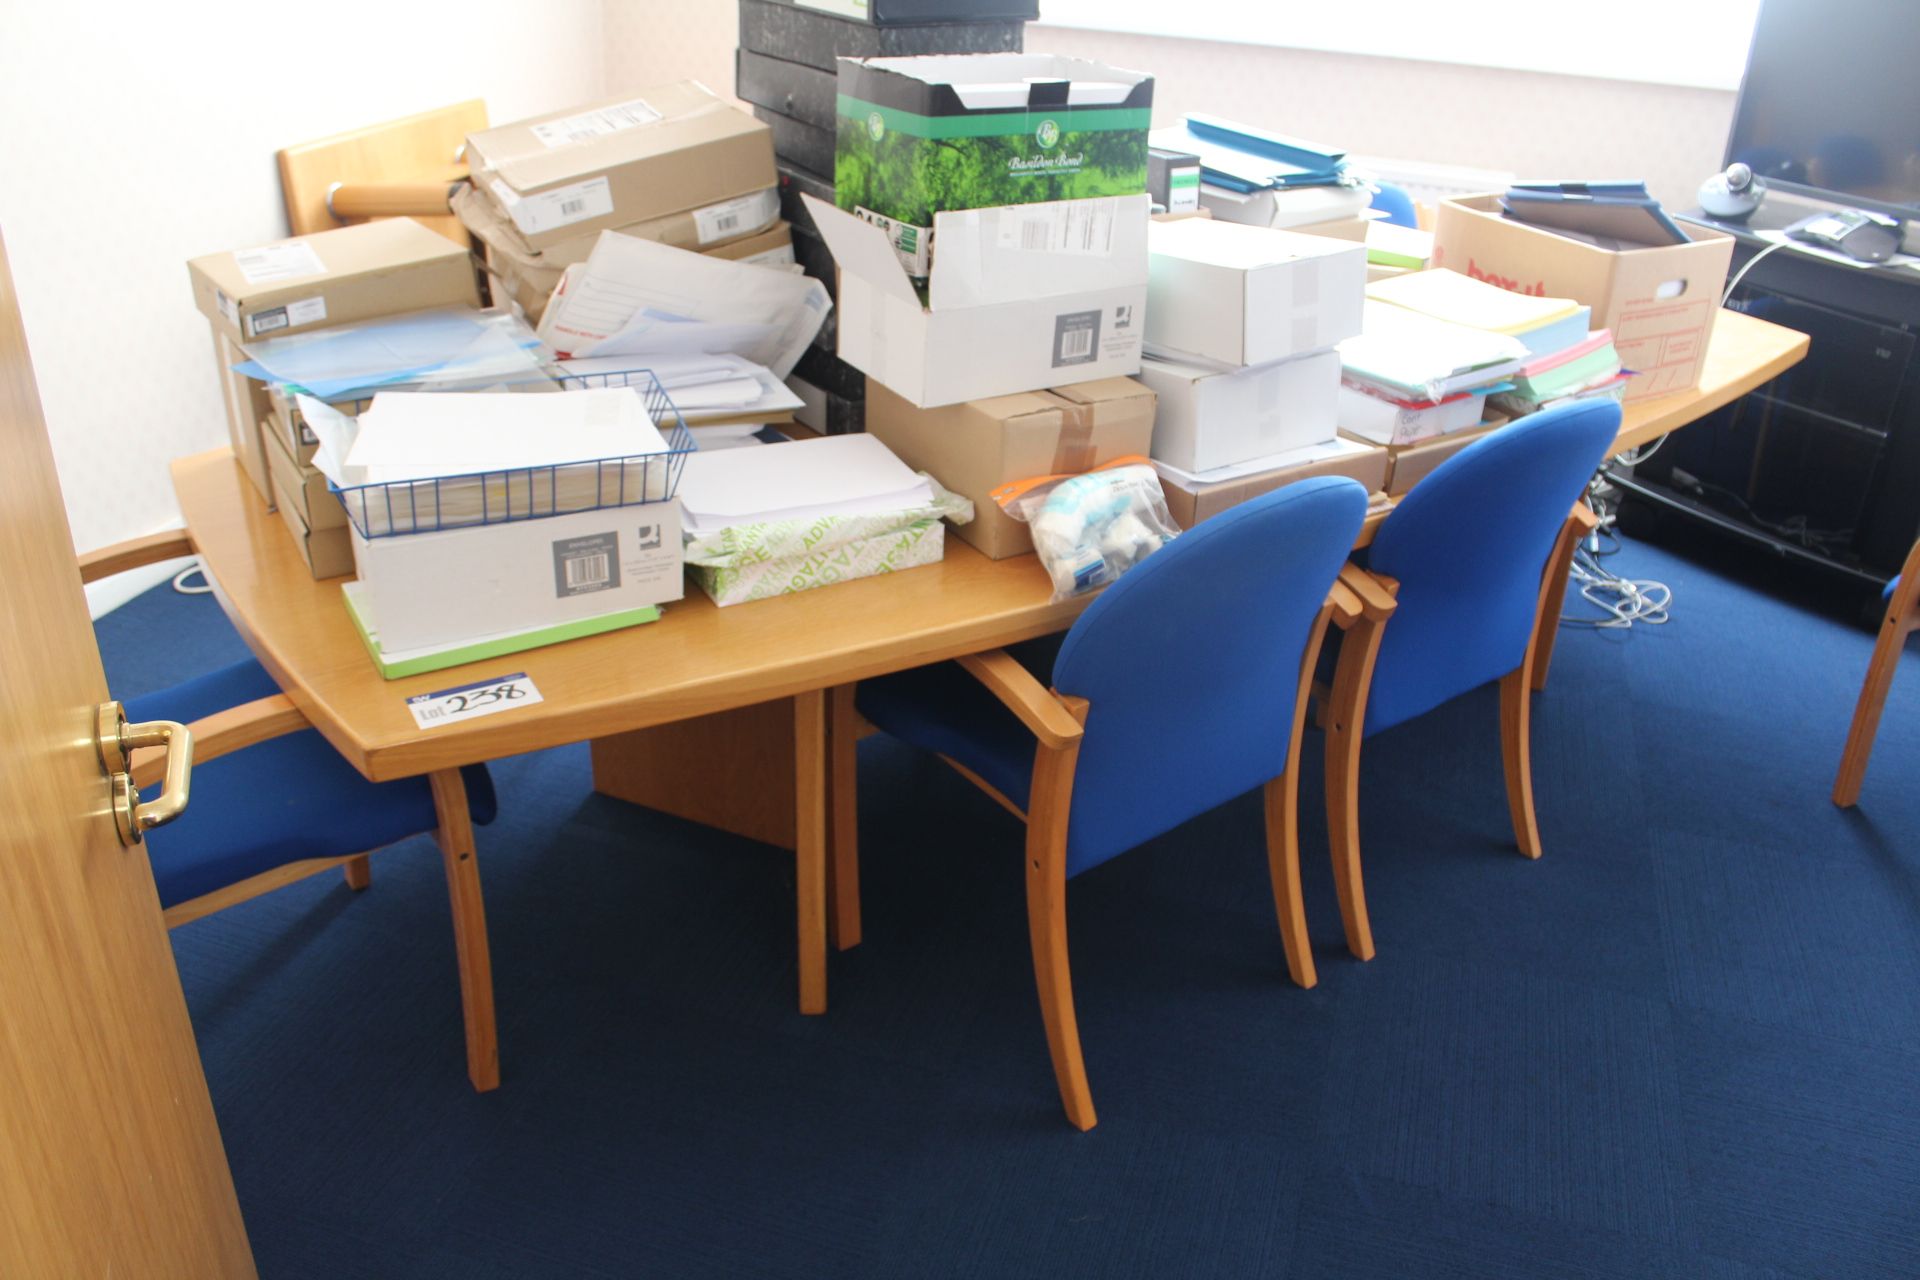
[921,136]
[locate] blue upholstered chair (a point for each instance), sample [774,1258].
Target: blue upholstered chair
[1475,557]
[1396,204]
[1181,686]
[1902,616]
[271,802]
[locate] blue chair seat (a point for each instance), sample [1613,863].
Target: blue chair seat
[313,804]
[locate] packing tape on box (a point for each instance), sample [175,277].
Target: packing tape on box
[1075,450]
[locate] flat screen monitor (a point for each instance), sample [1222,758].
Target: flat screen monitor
[1830,103]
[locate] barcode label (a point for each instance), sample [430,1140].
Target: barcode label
[737,216]
[1067,226]
[266,321]
[589,125]
[1076,337]
[585,564]
[286,261]
[560,207]
[469,701]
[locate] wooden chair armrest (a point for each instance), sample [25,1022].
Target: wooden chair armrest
[1017,689]
[1346,606]
[1375,591]
[1584,518]
[119,557]
[227,731]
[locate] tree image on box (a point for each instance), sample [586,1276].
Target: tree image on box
[908,168]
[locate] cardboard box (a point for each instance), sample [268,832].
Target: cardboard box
[1381,421]
[304,487]
[1659,302]
[247,413]
[1286,210]
[1409,464]
[638,158]
[331,277]
[1173,180]
[974,448]
[285,424]
[435,589]
[1211,418]
[998,318]
[1193,498]
[1249,295]
[328,552]
[815,39]
[923,136]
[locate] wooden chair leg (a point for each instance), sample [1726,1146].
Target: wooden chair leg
[359,873]
[1345,728]
[1866,712]
[843,817]
[1283,866]
[1516,753]
[1553,597]
[810,845]
[1047,925]
[455,836]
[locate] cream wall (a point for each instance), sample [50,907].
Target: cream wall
[1539,125]
[135,136]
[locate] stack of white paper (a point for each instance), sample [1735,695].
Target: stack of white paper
[830,476]
[635,297]
[704,388]
[419,461]
[1405,355]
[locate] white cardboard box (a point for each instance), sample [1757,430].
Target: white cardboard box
[1250,295]
[999,318]
[1210,418]
[434,589]
[1299,207]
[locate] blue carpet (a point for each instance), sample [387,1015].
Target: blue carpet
[1685,1043]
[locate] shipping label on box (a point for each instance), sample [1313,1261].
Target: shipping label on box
[997,317]
[427,590]
[921,136]
[1660,302]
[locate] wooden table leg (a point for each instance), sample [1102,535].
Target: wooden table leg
[469,926]
[810,844]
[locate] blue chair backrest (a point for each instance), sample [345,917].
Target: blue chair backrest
[1192,661]
[1469,544]
[1396,204]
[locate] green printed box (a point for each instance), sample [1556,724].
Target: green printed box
[920,136]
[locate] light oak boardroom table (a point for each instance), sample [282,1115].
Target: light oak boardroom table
[699,662]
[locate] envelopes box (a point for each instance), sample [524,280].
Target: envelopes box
[1212,418]
[448,587]
[998,318]
[328,552]
[1192,497]
[974,448]
[1660,303]
[663,151]
[1250,295]
[920,136]
[310,282]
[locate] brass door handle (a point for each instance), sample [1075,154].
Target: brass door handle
[117,741]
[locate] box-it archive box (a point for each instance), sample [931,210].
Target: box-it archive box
[917,137]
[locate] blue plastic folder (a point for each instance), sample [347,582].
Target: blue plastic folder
[1611,215]
[1242,158]
[443,345]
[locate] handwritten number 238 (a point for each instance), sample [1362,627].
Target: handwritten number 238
[460,702]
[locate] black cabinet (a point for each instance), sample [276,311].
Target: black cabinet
[1821,465]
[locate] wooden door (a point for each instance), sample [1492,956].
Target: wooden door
[110,1160]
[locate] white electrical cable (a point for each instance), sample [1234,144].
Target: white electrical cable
[1741,274]
[1625,601]
[180,581]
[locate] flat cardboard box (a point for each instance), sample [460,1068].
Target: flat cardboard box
[1211,418]
[448,587]
[304,487]
[1192,499]
[636,158]
[974,448]
[921,136]
[1291,210]
[816,39]
[332,277]
[998,318]
[285,424]
[1245,295]
[1412,463]
[328,552]
[1660,303]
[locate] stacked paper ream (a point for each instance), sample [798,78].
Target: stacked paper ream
[1448,295]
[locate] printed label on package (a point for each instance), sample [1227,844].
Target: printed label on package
[736,217]
[271,262]
[845,8]
[1183,190]
[1078,226]
[307,311]
[266,321]
[588,125]
[227,309]
[586,564]
[470,701]
[1076,338]
[560,207]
